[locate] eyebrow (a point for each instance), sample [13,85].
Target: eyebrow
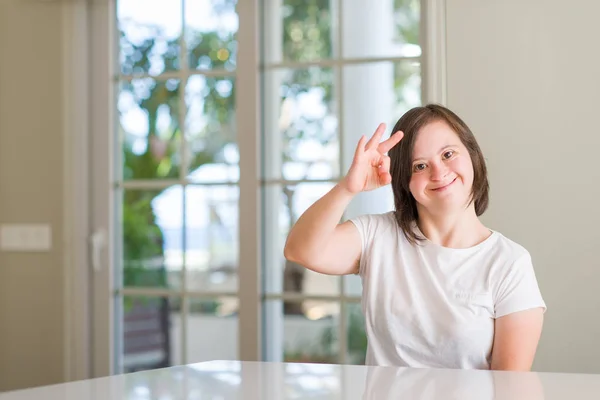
[439,151]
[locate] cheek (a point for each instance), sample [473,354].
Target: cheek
[417,183]
[465,168]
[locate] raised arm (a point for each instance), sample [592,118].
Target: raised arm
[318,240]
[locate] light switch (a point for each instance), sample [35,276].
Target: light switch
[25,237]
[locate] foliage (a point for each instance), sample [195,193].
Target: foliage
[161,156]
[325,350]
[143,242]
[406,12]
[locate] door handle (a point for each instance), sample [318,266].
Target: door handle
[97,243]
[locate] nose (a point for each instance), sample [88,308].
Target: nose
[438,171]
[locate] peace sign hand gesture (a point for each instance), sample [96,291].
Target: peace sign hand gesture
[370,167]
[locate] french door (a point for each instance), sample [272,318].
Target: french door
[215,124]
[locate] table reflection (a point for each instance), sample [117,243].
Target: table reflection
[432,384]
[228,380]
[275,381]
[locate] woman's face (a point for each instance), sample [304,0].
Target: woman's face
[442,171]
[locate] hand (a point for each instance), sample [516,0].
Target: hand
[370,167]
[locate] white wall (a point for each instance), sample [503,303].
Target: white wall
[525,75]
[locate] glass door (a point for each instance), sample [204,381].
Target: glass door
[215,124]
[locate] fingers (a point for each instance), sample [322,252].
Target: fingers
[385,179]
[374,141]
[387,145]
[384,165]
[360,147]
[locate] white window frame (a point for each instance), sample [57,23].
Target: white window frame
[89,117]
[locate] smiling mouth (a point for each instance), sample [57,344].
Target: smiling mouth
[441,188]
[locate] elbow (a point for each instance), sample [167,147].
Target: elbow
[289,252]
[292,253]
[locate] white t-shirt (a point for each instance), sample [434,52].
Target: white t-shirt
[429,306]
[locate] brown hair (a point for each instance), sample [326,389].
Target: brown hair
[401,163]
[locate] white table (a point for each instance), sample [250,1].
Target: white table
[224,380]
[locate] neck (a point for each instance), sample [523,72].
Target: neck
[461,229]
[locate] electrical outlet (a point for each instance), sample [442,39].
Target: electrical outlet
[25,237]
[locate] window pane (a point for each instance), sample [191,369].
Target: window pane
[352,285]
[285,204]
[212,330]
[299,30]
[210,130]
[211,33]
[407,86]
[211,238]
[149,32]
[381,28]
[356,340]
[152,237]
[375,93]
[150,337]
[301,124]
[149,129]
[306,337]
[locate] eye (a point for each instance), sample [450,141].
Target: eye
[447,155]
[419,167]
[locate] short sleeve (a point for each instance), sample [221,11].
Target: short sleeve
[519,289]
[368,226]
[364,225]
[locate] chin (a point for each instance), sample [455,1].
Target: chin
[446,205]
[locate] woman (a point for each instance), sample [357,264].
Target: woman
[440,289]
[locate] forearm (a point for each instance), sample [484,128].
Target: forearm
[313,231]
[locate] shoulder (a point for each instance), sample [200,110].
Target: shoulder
[382,218]
[379,234]
[376,230]
[507,252]
[507,260]
[513,278]
[369,224]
